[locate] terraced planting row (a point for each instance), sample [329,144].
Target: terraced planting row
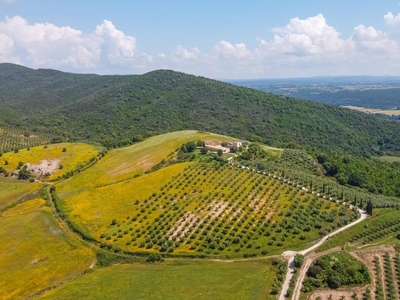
[387,276]
[13,139]
[391,293]
[224,210]
[384,228]
[397,272]
[379,293]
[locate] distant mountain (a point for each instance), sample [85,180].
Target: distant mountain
[114,110]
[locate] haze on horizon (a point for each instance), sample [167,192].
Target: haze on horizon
[228,39]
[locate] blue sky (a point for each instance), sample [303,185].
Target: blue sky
[218,39]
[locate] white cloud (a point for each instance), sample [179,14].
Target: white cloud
[303,47]
[392,20]
[6,49]
[48,45]
[310,36]
[226,50]
[368,39]
[119,47]
[182,54]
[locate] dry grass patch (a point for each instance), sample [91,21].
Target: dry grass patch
[389,112]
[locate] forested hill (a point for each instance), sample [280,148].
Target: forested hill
[114,110]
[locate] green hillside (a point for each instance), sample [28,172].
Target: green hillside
[116,110]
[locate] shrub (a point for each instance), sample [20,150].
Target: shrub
[154,257]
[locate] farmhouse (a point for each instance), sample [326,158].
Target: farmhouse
[237,145]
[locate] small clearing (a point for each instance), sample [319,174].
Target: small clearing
[389,112]
[45,166]
[216,146]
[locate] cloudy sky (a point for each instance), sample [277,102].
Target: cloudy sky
[219,39]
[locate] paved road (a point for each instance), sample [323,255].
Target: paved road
[291,254]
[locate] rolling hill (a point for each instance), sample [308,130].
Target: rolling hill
[103,225]
[119,110]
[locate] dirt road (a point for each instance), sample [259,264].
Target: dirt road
[291,254]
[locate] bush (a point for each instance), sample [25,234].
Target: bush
[154,257]
[298,260]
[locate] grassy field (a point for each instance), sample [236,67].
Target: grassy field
[12,190]
[192,208]
[176,280]
[275,152]
[124,163]
[75,154]
[380,229]
[389,159]
[35,253]
[389,112]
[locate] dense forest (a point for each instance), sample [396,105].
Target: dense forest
[119,110]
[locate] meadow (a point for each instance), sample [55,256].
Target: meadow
[13,190]
[174,280]
[67,156]
[35,252]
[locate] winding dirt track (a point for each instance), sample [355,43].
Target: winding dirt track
[291,254]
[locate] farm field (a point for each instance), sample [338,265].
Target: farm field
[35,253]
[199,209]
[389,112]
[380,229]
[125,163]
[49,158]
[11,139]
[174,280]
[297,165]
[12,190]
[384,266]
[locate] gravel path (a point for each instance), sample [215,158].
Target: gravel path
[291,254]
